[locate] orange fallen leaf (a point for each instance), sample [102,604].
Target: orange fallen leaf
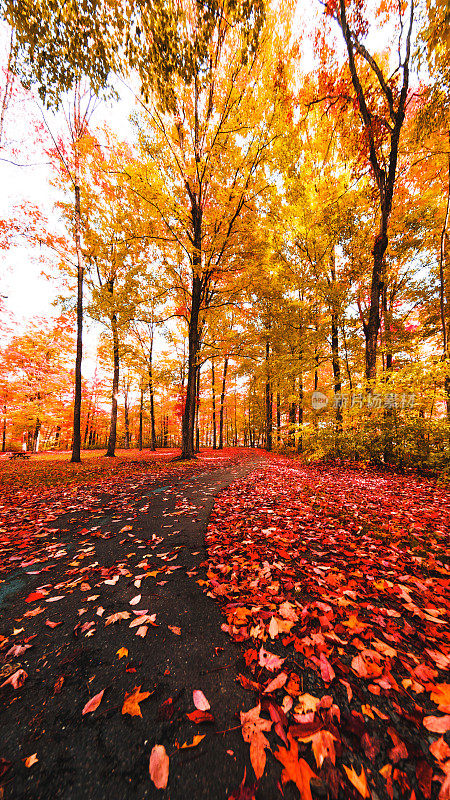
[358,781]
[117,617]
[159,766]
[17,679]
[196,740]
[93,703]
[122,652]
[323,746]
[30,760]
[132,700]
[437,724]
[441,696]
[440,750]
[252,732]
[174,629]
[295,769]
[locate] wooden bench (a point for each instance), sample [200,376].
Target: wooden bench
[20,454]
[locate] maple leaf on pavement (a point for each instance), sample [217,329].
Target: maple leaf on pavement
[132,700]
[117,617]
[252,732]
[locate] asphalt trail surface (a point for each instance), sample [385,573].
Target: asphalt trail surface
[105,754]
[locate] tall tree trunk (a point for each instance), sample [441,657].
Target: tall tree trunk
[127,418]
[269,397]
[336,363]
[442,289]
[111,451]
[152,397]
[213,390]
[300,412]
[278,419]
[141,415]
[197,411]
[4,430]
[36,435]
[384,166]
[187,425]
[76,449]
[222,402]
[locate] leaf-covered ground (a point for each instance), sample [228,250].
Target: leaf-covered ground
[325,677]
[335,582]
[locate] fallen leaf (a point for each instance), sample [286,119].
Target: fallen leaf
[174,629]
[132,700]
[30,760]
[252,732]
[17,679]
[196,740]
[117,617]
[159,766]
[200,700]
[296,770]
[198,716]
[437,724]
[358,781]
[93,703]
[123,652]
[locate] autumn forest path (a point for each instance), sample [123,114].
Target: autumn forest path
[139,554]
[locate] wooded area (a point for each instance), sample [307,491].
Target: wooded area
[267,254]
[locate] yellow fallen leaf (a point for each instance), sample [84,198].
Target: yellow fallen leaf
[122,652]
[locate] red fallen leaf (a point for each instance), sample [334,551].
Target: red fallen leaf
[424,775]
[437,724]
[305,730]
[58,684]
[249,656]
[246,683]
[323,747]
[398,752]
[200,701]
[371,746]
[4,766]
[295,769]
[51,624]
[276,683]
[166,709]
[159,766]
[270,661]
[444,794]
[198,716]
[17,679]
[93,703]
[244,792]
[326,670]
[35,596]
[358,781]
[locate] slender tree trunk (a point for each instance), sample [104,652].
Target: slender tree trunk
[442,289]
[187,427]
[76,449]
[4,430]
[213,389]
[197,411]
[111,451]
[88,419]
[141,415]
[300,412]
[152,397]
[127,419]
[347,363]
[269,397]
[57,435]
[278,419]
[222,402]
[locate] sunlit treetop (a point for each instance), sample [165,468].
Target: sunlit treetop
[57,43]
